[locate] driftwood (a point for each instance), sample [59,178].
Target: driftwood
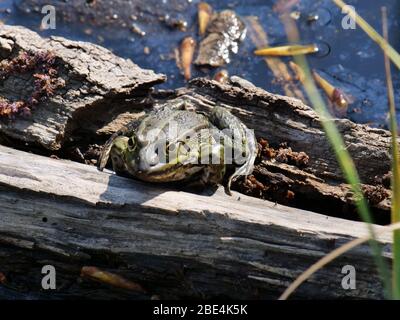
[174,244]
[94,79]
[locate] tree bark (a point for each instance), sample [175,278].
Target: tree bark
[94,79]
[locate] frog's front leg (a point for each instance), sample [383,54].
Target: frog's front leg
[117,139]
[240,144]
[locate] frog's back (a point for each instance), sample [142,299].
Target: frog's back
[174,123]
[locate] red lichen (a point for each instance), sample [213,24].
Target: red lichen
[265,150]
[42,65]
[282,154]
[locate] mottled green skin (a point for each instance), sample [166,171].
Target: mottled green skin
[132,149]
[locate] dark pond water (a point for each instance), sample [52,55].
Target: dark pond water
[354,63]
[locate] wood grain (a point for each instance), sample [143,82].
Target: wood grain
[175,244]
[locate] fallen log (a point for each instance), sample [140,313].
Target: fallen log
[316,184]
[94,79]
[174,244]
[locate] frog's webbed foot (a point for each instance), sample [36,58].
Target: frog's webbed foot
[240,144]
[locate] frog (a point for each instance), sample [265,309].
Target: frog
[175,142]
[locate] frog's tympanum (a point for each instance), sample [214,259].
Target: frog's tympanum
[174,143]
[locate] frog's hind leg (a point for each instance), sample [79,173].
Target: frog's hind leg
[239,142]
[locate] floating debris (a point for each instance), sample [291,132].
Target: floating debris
[136,29]
[295,15]
[175,23]
[290,50]
[335,95]
[204,16]
[7,11]
[225,31]
[110,278]
[222,76]
[186,56]
[88,31]
[278,67]
[321,17]
[312,18]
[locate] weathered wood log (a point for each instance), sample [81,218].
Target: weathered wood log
[94,80]
[174,244]
[178,244]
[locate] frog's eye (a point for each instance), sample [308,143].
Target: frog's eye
[131,144]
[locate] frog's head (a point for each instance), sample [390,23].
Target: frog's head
[162,160]
[123,152]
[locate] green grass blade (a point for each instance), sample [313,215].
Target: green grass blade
[395,166]
[343,157]
[347,166]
